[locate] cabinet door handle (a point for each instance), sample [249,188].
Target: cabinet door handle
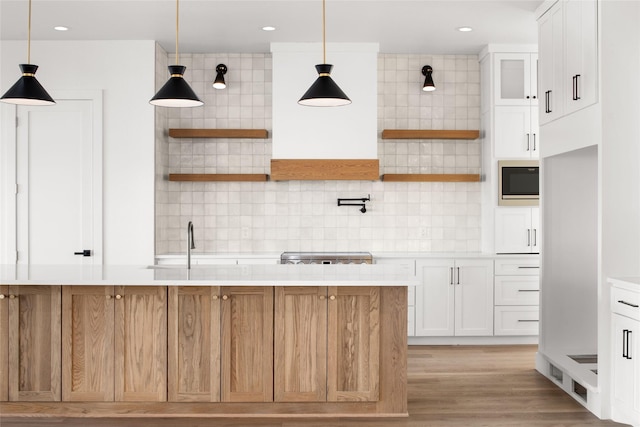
[628,303]
[576,90]
[528,266]
[535,237]
[629,347]
[528,237]
[451,275]
[119,296]
[528,142]
[527,320]
[2,296]
[547,103]
[528,290]
[225,297]
[458,268]
[332,297]
[534,142]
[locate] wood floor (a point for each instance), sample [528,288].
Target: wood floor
[494,386]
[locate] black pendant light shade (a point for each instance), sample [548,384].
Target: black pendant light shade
[219,82]
[428,85]
[324,92]
[27,90]
[176,92]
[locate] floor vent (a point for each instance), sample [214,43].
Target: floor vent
[556,373]
[580,391]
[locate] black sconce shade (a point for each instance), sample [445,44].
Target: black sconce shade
[219,82]
[428,85]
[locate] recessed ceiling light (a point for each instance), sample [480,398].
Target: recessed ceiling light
[61,28]
[268,28]
[465,29]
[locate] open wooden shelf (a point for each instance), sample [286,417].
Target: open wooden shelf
[430,177]
[325,169]
[219,133]
[218,177]
[429,134]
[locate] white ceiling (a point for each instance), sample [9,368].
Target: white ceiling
[220,26]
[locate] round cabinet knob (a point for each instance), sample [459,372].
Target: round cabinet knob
[215,297]
[225,297]
[108,297]
[332,297]
[12,297]
[321,297]
[118,296]
[1,296]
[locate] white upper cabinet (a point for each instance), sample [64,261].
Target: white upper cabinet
[581,40]
[567,46]
[516,132]
[517,230]
[551,58]
[516,79]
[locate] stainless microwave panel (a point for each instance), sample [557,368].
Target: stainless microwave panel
[514,197]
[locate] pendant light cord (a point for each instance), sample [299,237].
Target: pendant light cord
[177,27]
[324,43]
[29,36]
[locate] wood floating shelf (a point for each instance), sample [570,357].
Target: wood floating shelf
[219,133]
[325,169]
[429,134]
[218,177]
[430,177]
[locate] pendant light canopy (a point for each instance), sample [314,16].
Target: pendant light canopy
[176,92]
[27,90]
[324,92]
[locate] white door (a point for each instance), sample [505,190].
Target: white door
[513,137]
[513,231]
[474,298]
[59,176]
[435,298]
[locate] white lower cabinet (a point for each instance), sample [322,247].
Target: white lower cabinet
[626,356]
[454,297]
[409,264]
[517,296]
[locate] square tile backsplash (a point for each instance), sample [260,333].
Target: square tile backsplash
[247,217]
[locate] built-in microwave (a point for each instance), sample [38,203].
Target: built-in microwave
[518,183]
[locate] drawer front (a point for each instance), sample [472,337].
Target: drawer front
[411,295]
[516,320]
[517,290]
[529,266]
[625,302]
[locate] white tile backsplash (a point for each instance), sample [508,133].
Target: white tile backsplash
[303,215]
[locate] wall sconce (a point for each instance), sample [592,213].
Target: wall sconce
[219,83]
[428,85]
[362,201]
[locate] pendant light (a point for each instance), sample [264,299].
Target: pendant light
[176,92]
[27,90]
[324,92]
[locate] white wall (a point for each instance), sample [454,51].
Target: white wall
[124,71]
[347,132]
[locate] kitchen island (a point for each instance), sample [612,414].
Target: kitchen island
[216,341]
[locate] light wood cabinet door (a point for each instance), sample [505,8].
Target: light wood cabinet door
[247,344]
[4,343]
[300,349]
[194,344]
[141,343]
[34,343]
[353,344]
[88,343]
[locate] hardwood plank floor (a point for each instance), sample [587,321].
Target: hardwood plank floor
[459,386]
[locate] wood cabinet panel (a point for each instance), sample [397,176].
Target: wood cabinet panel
[4,343]
[300,349]
[247,344]
[141,343]
[34,343]
[194,344]
[353,344]
[88,343]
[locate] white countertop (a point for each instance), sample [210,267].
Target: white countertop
[211,275]
[630,283]
[388,255]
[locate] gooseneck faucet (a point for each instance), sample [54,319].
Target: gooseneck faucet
[191,244]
